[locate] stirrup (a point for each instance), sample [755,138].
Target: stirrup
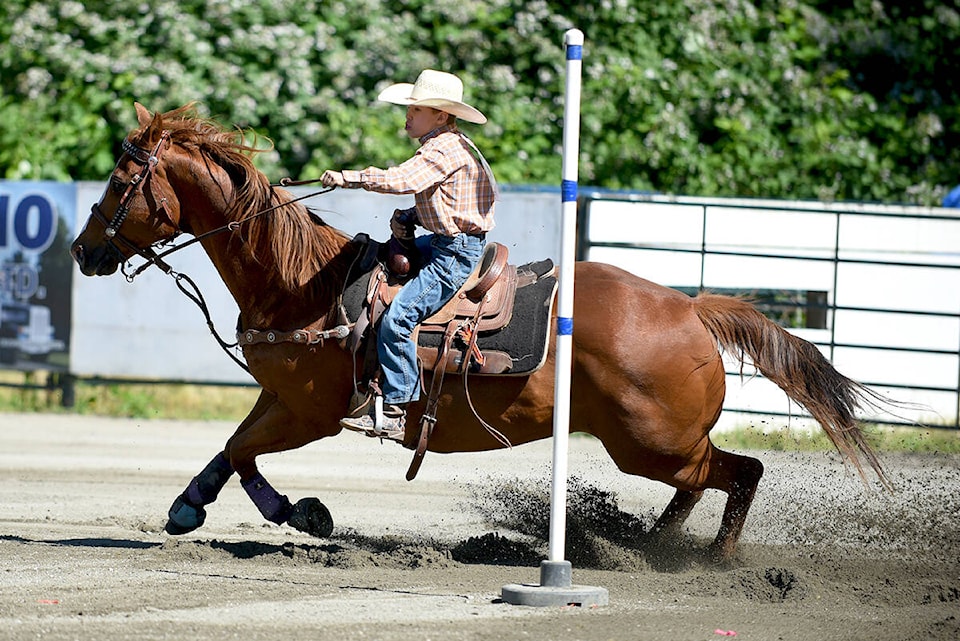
[397,435]
[369,428]
[374,422]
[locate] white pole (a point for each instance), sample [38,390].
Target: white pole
[573,41]
[556,587]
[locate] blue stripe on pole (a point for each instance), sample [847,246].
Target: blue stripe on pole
[568,191]
[564,326]
[574,52]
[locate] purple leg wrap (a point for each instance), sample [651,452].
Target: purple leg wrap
[206,485]
[273,506]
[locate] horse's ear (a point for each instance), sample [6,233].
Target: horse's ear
[144,117]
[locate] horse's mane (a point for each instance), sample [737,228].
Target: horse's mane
[292,241]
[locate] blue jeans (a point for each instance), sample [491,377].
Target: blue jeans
[447,263]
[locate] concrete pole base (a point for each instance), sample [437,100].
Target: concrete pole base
[555,589]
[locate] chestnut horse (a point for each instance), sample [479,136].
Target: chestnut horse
[648,379]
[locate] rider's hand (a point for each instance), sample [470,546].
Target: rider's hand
[401,226]
[332,178]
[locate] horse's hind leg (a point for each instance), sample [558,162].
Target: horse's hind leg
[676,513]
[703,467]
[738,476]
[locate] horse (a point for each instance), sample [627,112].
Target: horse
[647,374]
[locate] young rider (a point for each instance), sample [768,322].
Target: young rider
[455,194]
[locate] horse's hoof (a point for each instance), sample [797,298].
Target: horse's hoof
[719,554]
[311,516]
[184,517]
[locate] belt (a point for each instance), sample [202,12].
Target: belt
[480,235]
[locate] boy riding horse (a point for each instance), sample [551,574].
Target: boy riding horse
[455,195]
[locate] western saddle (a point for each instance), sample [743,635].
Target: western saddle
[484,303]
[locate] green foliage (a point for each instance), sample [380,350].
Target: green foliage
[817,100]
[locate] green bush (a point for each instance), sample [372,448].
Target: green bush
[812,100]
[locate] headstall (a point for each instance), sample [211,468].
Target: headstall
[148,161]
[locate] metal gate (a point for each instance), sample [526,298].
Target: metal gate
[876,288]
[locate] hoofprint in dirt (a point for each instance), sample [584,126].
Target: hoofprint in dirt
[82,555]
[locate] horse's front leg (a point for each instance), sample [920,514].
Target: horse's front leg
[187,512]
[268,428]
[276,429]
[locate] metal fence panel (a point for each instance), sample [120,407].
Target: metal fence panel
[875,287]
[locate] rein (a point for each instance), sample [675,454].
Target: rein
[157,259]
[149,161]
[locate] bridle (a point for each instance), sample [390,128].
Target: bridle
[148,161]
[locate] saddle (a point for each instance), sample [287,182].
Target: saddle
[470,335]
[484,303]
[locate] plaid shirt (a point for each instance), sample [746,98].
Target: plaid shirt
[453,192]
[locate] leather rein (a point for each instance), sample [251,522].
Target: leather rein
[148,161]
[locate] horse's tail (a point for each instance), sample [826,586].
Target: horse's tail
[799,369]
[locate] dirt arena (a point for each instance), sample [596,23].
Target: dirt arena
[83,502]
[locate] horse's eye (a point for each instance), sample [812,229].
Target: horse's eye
[117,185]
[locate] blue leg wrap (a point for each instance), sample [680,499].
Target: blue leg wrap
[206,485]
[273,506]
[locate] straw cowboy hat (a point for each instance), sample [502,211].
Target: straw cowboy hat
[437,89]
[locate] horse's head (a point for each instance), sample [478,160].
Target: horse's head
[182,173]
[138,208]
